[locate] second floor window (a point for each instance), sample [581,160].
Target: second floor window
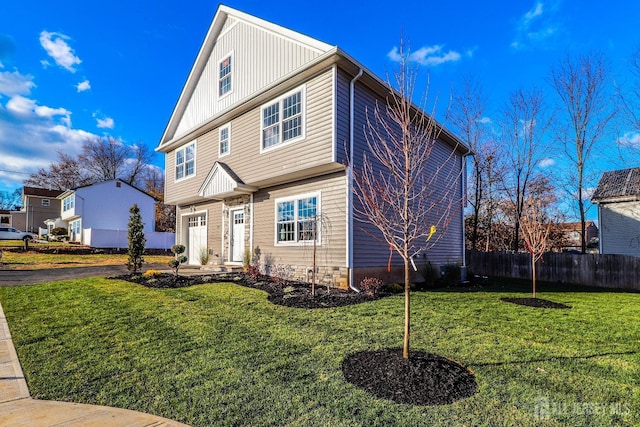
[282,120]
[225,140]
[68,203]
[224,82]
[186,161]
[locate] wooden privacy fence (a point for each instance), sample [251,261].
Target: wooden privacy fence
[607,271]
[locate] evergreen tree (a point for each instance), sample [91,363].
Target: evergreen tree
[137,241]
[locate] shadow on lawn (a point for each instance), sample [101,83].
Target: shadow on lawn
[524,286]
[555,358]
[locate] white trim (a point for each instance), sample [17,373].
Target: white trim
[195,160]
[232,75]
[334,102]
[231,236]
[318,196]
[303,101]
[227,126]
[251,226]
[184,228]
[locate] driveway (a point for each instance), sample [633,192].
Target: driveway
[31,277]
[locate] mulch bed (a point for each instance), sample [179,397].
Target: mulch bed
[423,379]
[535,302]
[289,294]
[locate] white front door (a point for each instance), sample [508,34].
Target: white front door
[197,238]
[237,235]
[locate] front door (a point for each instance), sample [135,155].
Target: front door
[237,235]
[197,235]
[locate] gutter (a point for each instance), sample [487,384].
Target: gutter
[350,178]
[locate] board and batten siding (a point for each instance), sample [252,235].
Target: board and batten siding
[371,252]
[245,158]
[620,228]
[332,250]
[259,58]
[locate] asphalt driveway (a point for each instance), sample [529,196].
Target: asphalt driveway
[32,277]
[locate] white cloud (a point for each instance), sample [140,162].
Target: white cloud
[427,55]
[548,162]
[84,85]
[25,107]
[485,120]
[105,123]
[630,140]
[57,48]
[21,105]
[535,26]
[14,83]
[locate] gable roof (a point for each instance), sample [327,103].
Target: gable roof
[618,185]
[222,182]
[67,193]
[217,27]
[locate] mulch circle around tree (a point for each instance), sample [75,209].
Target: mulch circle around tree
[290,294]
[535,302]
[423,379]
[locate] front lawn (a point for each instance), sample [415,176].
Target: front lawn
[221,354]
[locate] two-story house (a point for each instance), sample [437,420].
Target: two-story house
[38,204]
[98,215]
[258,151]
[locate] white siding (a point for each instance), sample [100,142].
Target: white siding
[260,58]
[620,228]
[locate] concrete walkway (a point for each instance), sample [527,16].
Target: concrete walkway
[17,408]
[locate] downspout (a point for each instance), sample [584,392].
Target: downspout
[251,228]
[350,177]
[600,229]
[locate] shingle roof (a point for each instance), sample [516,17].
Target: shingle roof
[618,184]
[43,192]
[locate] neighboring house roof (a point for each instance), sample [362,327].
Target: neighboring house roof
[620,185]
[327,55]
[576,226]
[70,191]
[42,192]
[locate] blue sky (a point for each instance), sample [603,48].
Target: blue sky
[73,69]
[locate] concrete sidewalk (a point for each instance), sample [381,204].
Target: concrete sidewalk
[17,408]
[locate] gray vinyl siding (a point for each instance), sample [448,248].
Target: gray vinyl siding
[342,116]
[332,251]
[620,228]
[259,58]
[371,252]
[245,158]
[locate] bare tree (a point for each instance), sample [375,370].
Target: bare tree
[586,109]
[165,214]
[537,221]
[467,116]
[10,200]
[523,129]
[402,187]
[67,172]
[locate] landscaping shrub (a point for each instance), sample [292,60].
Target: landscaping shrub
[370,285]
[429,273]
[137,240]
[393,288]
[204,256]
[452,273]
[151,273]
[179,259]
[253,272]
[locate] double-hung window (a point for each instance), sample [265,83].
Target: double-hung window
[225,140]
[186,161]
[283,119]
[224,77]
[297,219]
[68,203]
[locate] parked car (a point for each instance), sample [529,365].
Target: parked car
[10,233]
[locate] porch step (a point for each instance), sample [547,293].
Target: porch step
[222,268]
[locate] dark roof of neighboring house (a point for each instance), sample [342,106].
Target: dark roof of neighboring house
[42,192]
[64,194]
[576,226]
[618,184]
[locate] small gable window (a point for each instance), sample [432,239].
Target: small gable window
[186,161]
[283,120]
[225,140]
[224,79]
[46,202]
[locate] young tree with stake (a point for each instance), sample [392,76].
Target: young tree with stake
[402,188]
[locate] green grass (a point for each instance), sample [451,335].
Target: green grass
[221,354]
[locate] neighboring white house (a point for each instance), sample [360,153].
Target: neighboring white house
[97,215]
[618,200]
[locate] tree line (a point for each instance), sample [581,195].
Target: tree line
[511,169]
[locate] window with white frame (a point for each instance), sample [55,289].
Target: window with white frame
[186,161]
[68,203]
[224,78]
[225,140]
[297,219]
[283,119]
